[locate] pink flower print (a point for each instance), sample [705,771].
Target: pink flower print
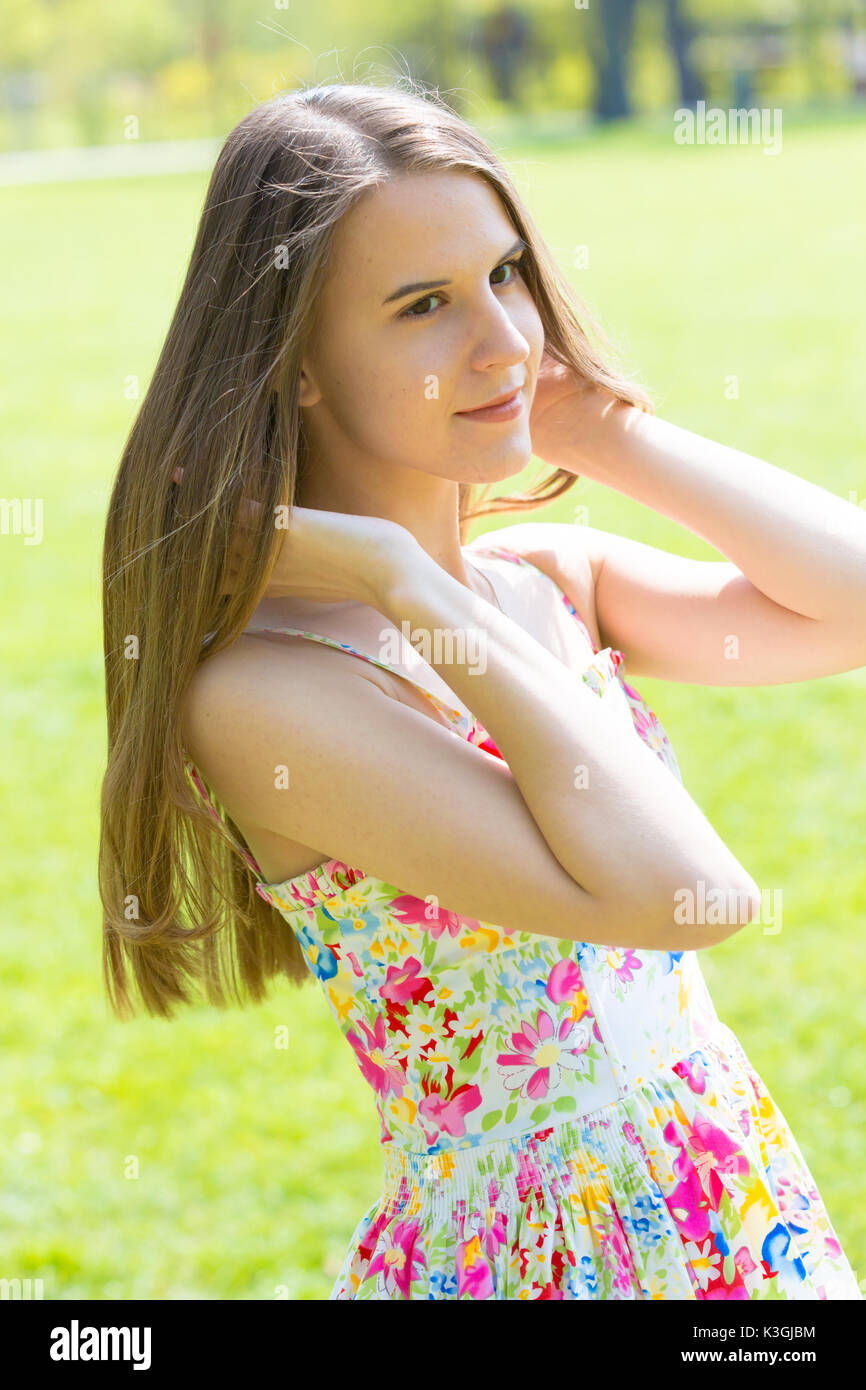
[343,875]
[313,894]
[369,1237]
[644,719]
[714,1150]
[448,1115]
[495,1229]
[403,984]
[744,1262]
[473,1271]
[537,1065]
[500,1202]
[488,1227]
[622,963]
[688,1205]
[618,1257]
[528,1179]
[639,718]
[832,1247]
[356,967]
[631,1136]
[487,744]
[397,1259]
[565,982]
[382,1071]
[695,1075]
[415,912]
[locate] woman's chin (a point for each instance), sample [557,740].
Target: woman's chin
[493,466]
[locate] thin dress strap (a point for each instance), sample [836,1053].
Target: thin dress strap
[468,725]
[195,777]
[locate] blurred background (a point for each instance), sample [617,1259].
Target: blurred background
[195,1158]
[75,71]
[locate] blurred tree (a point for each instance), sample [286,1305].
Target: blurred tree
[680,33]
[23,93]
[506,41]
[609,40]
[851,43]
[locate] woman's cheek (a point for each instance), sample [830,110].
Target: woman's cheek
[390,412]
[413,384]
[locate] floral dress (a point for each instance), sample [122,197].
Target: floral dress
[558,1120]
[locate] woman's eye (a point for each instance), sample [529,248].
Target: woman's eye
[513,266]
[417,310]
[410,312]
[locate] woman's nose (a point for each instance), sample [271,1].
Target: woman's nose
[499,340]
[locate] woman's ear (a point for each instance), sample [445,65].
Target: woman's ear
[308,391]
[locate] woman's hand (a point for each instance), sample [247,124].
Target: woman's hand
[566,415]
[326,557]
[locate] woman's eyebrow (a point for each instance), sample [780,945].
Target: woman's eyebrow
[519,245]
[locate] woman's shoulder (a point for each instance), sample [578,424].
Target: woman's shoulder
[232,692]
[256,666]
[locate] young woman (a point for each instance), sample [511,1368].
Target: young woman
[424,781]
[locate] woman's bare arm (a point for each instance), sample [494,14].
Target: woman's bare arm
[380,786]
[625,829]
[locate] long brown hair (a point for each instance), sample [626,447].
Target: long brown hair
[223,404]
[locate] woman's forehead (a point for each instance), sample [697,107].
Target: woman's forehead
[421,226]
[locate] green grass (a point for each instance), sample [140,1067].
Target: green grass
[255,1163]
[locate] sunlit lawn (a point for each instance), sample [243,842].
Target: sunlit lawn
[255,1163]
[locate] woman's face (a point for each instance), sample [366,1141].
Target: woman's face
[392,367]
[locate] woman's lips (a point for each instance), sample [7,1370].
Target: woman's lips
[505,410]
